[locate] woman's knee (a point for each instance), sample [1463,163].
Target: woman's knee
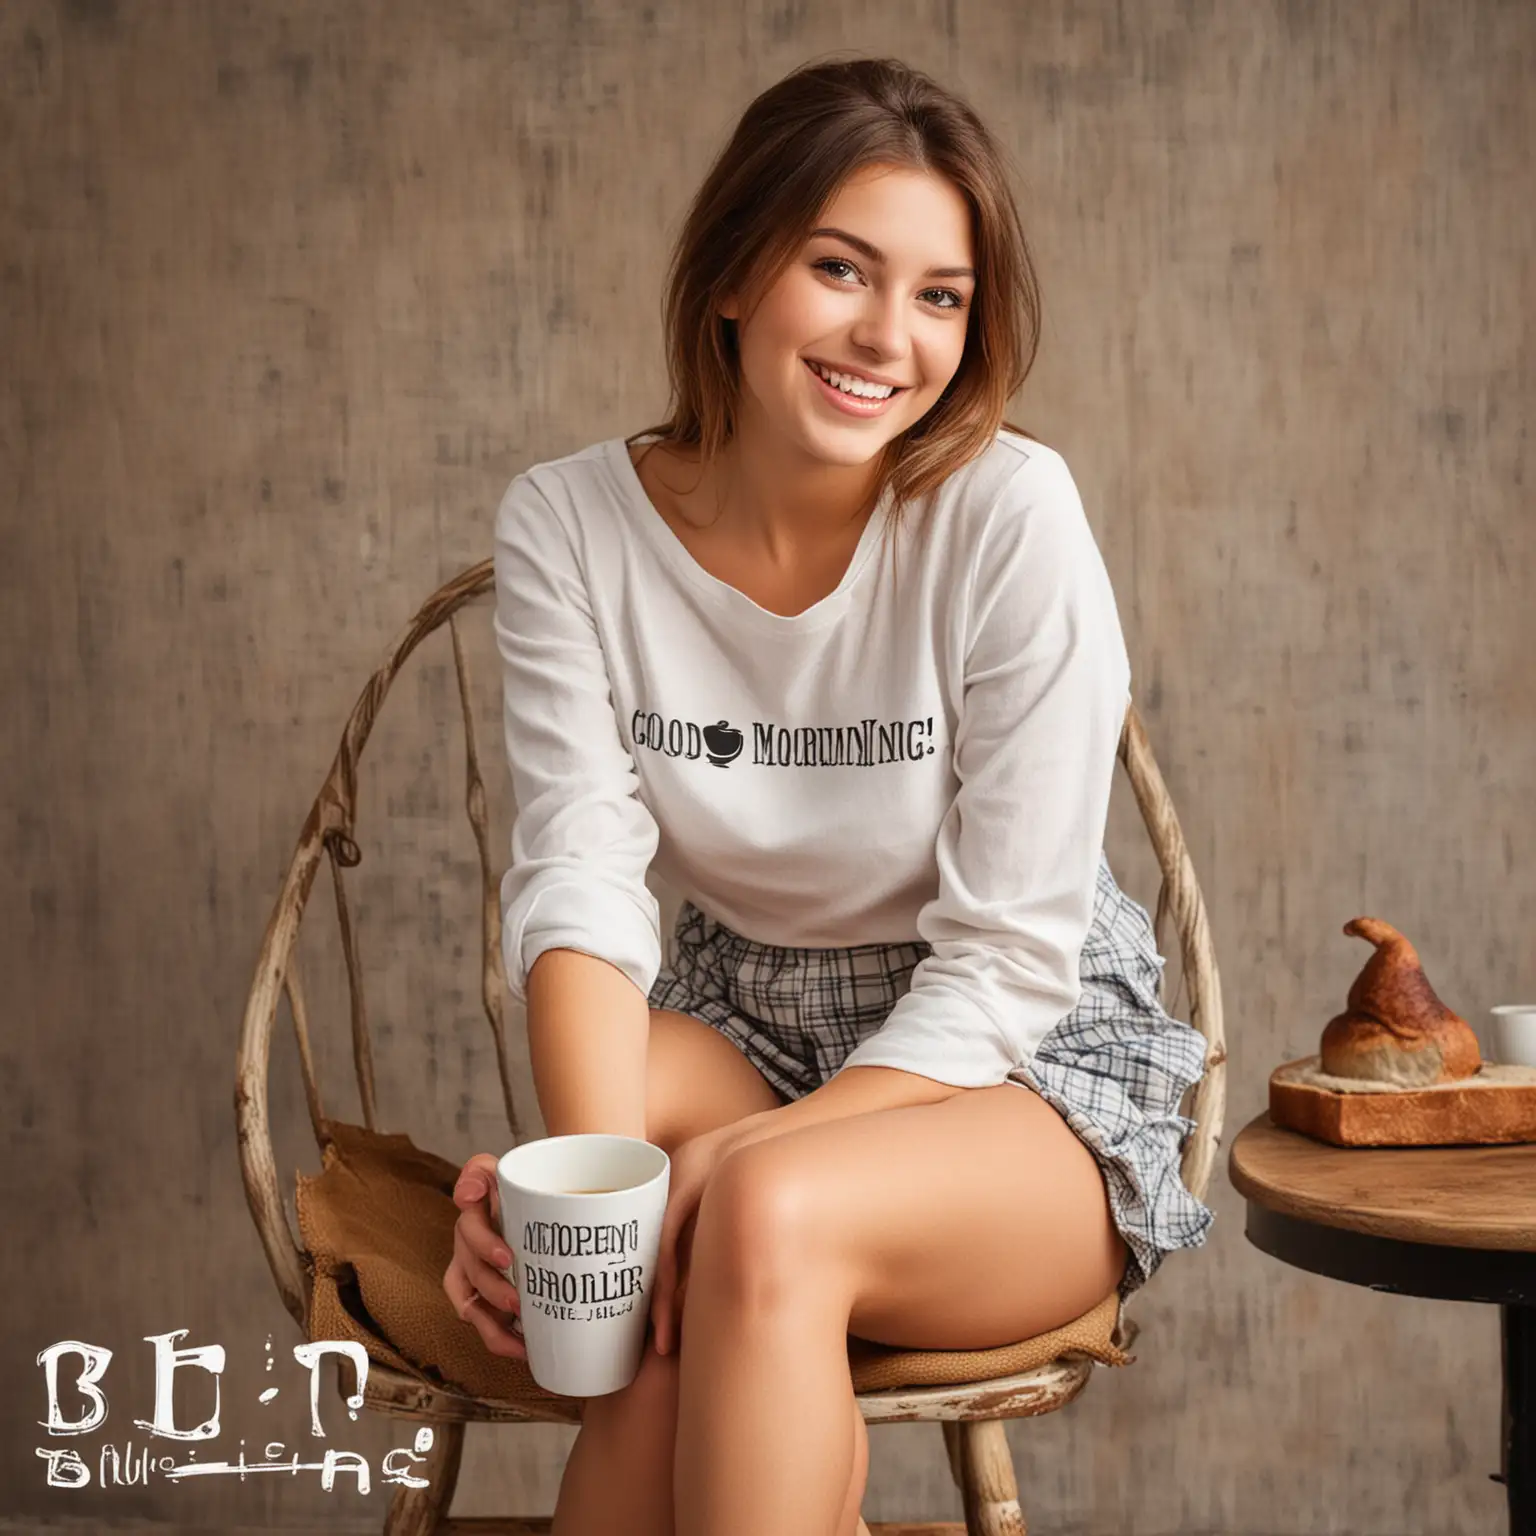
[756,1230]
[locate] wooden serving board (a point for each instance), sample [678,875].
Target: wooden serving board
[1497,1104]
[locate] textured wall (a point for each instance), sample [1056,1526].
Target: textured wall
[291,291]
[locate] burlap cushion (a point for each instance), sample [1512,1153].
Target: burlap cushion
[377,1223]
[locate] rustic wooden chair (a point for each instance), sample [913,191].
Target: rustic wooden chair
[971,1415]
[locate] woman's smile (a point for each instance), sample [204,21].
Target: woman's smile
[852,405]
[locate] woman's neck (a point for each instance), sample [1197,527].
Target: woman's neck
[768,497]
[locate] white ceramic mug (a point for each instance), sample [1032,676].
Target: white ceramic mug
[1512,1034]
[582,1217]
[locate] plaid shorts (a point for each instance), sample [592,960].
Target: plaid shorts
[1115,1068]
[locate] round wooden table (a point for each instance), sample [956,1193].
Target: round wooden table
[1451,1223]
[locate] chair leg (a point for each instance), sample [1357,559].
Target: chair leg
[987,1485]
[419,1511]
[951,1428]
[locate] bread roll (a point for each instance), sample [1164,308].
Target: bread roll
[1394,1029]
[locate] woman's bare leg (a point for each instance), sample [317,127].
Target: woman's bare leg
[964,1224]
[852,1522]
[618,1476]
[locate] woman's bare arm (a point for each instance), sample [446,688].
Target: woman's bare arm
[588,1027]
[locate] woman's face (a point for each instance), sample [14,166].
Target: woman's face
[883,300]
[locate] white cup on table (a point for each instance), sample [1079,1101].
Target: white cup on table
[1512,1034]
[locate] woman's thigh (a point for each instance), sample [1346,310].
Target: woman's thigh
[965,1224]
[697,1081]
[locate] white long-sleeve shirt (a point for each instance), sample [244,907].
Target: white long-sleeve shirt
[926,753]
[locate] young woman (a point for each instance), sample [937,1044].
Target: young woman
[836,655]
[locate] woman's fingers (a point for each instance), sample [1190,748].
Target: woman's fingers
[476,1182]
[685,1242]
[679,1298]
[684,1266]
[659,1303]
[479,1215]
[484,1240]
[474,1281]
[486,1279]
[666,1279]
[494,1328]
[492,1324]
[458,1289]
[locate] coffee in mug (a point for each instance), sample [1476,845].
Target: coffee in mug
[582,1217]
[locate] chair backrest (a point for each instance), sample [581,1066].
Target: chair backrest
[329,831]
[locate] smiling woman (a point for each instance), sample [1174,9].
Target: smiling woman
[880,787]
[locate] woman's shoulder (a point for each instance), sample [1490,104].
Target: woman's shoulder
[1014,460]
[569,493]
[569,475]
[1014,482]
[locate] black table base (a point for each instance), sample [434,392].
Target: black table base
[1501,1277]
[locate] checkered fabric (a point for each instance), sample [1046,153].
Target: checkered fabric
[1115,1068]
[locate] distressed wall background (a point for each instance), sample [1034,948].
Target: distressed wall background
[290,291]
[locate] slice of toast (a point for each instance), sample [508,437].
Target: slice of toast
[1496,1104]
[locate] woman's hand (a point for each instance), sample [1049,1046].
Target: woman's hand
[481,1294]
[693,1164]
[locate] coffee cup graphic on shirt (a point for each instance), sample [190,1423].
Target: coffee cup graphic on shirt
[722,742]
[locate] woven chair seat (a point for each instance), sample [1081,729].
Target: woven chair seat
[377,1228]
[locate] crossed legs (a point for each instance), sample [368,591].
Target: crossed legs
[959,1225]
[965,1224]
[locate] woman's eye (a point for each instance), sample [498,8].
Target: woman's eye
[828,262]
[834,261]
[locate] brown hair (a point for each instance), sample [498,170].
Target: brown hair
[793,148]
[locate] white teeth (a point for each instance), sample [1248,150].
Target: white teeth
[850,385]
